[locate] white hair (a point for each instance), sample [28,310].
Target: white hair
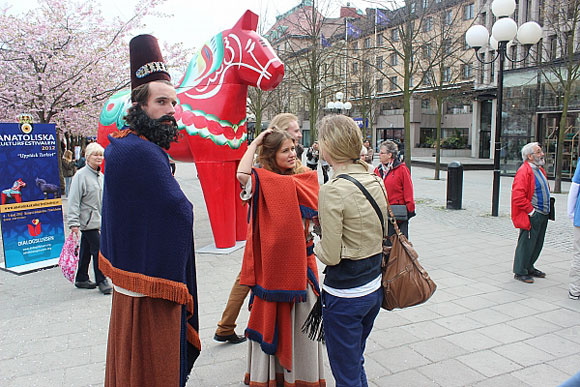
[93,147]
[528,149]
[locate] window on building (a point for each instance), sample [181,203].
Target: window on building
[379,62]
[428,24]
[568,42]
[513,55]
[355,45]
[468,11]
[482,69]
[411,81]
[465,44]
[427,78]
[492,68]
[483,18]
[426,103]
[446,74]
[541,13]
[395,34]
[467,71]
[447,46]
[539,51]
[380,40]
[379,85]
[393,59]
[355,68]
[392,83]
[448,17]
[425,4]
[412,7]
[354,91]
[368,43]
[553,47]
[427,51]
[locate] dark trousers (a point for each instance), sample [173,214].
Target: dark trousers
[347,324]
[530,244]
[325,169]
[90,242]
[403,226]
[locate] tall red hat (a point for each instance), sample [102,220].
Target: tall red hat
[147,63]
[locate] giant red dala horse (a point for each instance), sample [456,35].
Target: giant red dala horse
[211,115]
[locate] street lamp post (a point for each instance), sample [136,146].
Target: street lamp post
[503,31]
[338,106]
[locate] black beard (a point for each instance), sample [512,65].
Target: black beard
[155,131]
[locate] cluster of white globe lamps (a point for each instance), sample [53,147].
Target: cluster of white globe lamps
[338,104]
[505,29]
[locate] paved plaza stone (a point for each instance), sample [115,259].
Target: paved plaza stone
[481,327]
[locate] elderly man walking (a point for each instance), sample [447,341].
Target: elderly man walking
[530,209]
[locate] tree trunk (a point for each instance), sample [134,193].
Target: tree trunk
[560,143]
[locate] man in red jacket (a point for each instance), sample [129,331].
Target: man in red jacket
[530,209]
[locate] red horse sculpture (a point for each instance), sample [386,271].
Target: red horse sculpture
[13,192]
[211,114]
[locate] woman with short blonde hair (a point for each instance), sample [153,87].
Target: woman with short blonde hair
[350,247]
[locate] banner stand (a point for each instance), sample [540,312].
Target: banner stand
[31,267]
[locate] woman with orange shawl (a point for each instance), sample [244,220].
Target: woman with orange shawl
[279,264]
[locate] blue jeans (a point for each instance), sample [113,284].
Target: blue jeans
[574,381]
[347,324]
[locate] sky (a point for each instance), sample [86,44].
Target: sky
[193,21]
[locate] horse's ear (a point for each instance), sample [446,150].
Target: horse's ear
[248,21]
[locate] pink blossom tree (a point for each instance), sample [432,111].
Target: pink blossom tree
[62,60]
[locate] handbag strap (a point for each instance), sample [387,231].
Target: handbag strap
[374,203]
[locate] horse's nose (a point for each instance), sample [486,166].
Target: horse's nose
[277,71]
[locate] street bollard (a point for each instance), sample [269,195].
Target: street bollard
[454,185]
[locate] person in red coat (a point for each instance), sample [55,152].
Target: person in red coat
[398,182]
[530,209]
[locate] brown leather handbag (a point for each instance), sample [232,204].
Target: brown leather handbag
[405,282]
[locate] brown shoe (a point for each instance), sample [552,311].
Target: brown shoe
[524,278]
[233,338]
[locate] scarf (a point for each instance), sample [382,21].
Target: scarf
[147,229]
[278,263]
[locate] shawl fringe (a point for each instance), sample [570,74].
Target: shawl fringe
[268,348]
[279,295]
[307,212]
[153,287]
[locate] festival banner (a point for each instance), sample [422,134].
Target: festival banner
[31,208]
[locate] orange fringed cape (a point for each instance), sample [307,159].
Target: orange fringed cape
[278,263]
[147,230]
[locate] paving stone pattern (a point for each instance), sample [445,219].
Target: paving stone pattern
[481,328]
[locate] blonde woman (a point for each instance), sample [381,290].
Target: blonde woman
[350,247]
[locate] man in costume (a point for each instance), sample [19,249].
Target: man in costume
[147,238]
[530,209]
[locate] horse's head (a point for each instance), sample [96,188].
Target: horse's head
[238,55]
[39,181]
[18,184]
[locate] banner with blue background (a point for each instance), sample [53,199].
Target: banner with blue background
[31,208]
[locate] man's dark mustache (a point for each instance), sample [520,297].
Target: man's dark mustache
[166,118]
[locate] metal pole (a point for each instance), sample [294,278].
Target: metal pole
[498,122]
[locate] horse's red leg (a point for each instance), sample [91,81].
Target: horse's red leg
[218,183]
[17,197]
[241,213]
[3,198]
